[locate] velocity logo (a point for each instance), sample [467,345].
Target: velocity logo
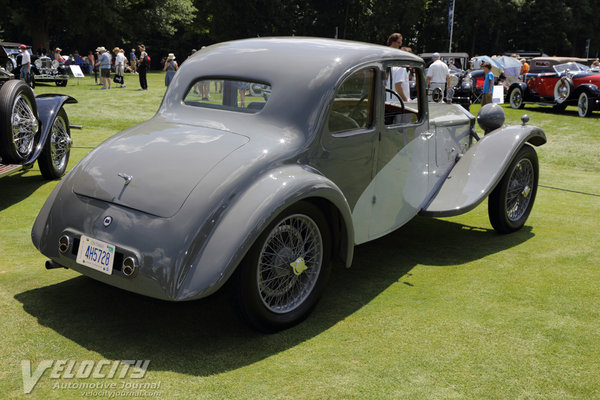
[69,369]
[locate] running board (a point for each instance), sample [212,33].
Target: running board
[10,169]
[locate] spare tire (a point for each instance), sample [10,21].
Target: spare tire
[18,122]
[563,89]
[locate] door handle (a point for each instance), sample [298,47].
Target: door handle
[426,135]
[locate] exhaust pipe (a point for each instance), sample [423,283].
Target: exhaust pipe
[129,266]
[52,265]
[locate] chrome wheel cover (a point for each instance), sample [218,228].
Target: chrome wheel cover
[582,105]
[60,143]
[518,194]
[24,125]
[296,240]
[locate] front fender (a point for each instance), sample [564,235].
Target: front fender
[246,218]
[48,106]
[480,169]
[592,90]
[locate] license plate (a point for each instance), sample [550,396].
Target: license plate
[96,254]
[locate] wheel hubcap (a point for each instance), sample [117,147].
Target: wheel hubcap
[289,263]
[519,190]
[24,126]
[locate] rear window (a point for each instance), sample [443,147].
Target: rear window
[227,94]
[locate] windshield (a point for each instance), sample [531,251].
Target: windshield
[571,67]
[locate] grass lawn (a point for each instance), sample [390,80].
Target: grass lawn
[440,309]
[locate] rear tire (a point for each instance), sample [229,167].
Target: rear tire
[511,201]
[281,278]
[18,122]
[55,157]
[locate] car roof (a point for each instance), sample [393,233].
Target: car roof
[302,71]
[277,60]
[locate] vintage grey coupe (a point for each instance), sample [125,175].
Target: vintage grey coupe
[265,192]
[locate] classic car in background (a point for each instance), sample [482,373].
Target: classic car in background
[43,68]
[559,82]
[461,85]
[266,192]
[33,128]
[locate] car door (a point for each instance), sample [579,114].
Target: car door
[348,143]
[401,175]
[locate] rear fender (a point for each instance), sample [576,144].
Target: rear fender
[239,227]
[480,169]
[48,106]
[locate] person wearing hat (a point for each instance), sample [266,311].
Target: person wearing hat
[170,66]
[104,63]
[25,64]
[57,56]
[438,75]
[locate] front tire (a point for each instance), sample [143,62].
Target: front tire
[511,201]
[54,158]
[516,98]
[279,281]
[18,122]
[584,106]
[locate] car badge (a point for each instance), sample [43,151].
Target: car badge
[107,220]
[127,178]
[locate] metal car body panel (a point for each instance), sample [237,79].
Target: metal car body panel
[480,169]
[229,174]
[48,106]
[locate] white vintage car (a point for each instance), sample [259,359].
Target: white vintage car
[266,190]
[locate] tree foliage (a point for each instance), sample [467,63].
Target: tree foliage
[557,27]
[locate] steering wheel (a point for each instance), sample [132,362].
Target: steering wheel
[356,108]
[393,93]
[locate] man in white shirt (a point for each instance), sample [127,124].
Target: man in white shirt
[25,63]
[399,75]
[437,74]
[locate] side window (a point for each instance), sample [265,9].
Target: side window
[228,94]
[352,106]
[402,105]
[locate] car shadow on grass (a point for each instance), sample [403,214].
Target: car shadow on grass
[18,187]
[205,337]
[571,112]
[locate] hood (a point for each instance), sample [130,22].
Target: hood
[162,161]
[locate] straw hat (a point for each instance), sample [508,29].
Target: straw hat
[171,56]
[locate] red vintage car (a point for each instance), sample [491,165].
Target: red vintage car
[558,82]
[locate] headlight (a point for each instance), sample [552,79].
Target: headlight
[55,64]
[38,63]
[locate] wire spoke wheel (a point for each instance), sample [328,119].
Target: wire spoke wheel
[280,279]
[520,184]
[282,287]
[57,148]
[60,143]
[24,126]
[511,201]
